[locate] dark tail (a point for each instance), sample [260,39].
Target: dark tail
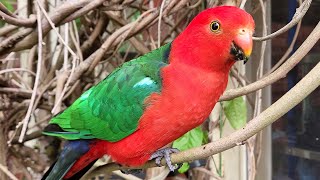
[71,152]
[76,176]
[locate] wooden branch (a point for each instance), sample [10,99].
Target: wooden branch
[92,5]
[18,21]
[28,137]
[4,9]
[290,48]
[7,172]
[25,121]
[300,12]
[16,91]
[101,24]
[7,29]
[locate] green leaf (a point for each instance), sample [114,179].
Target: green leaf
[193,138]
[184,168]
[78,23]
[236,112]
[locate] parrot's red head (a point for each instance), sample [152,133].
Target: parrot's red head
[215,39]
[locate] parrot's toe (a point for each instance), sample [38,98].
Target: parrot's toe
[165,153]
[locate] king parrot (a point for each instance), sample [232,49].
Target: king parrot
[152,100]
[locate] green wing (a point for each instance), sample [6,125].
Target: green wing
[111,109]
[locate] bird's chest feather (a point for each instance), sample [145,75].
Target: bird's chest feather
[186,101]
[194,94]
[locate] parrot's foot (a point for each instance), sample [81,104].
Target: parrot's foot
[165,153]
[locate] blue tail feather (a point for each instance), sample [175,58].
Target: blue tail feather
[71,152]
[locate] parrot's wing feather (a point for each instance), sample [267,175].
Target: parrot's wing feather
[111,110]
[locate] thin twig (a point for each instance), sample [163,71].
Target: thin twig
[74,55]
[17,69]
[159,22]
[18,21]
[55,29]
[300,12]
[243,3]
[35,87]
[289,50]
[7,172]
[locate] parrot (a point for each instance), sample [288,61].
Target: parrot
[150,101]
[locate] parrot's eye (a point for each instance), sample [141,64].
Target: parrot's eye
[215,26]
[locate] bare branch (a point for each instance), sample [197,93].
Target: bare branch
[18,21]
[35,86]
[301,11]
[7,172]
[5,10]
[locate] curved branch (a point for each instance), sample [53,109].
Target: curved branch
[92,5]
[101,24]
[300,12]
[18,21]
[303,88]
[4,9]
[288,52]
[17,69]
[7,29]
[280,72]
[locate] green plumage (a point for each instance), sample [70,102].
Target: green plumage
[111,109]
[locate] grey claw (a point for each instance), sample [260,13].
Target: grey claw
[165,152]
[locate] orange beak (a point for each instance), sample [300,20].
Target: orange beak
[244,41]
